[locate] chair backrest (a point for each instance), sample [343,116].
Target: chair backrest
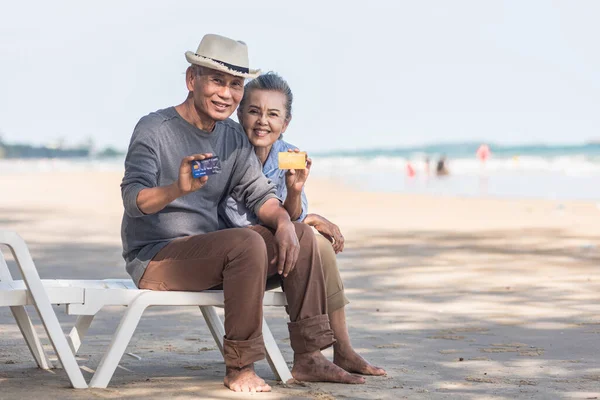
[5,275]
[41,301]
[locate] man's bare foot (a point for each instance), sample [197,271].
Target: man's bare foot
[314,367]
[350,361]
[245,380]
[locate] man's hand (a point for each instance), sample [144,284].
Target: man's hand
[154,199]
[288,248]
[186,183]
[295,179]
[328,229]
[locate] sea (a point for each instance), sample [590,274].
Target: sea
[567,172]
[558,172]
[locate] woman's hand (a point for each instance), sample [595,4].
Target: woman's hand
[296,178]
[328,229]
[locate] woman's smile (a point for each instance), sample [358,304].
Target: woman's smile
[261,132]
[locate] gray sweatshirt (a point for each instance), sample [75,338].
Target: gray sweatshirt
[159,142]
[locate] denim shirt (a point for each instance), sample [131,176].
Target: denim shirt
[234,214]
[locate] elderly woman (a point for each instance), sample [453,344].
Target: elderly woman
[265,112]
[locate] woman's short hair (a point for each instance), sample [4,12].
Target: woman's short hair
[272,82]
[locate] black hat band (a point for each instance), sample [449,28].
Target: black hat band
[232,67]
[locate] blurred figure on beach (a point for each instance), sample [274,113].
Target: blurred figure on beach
[426,163]
[483,153]
[410,170]
[441,168]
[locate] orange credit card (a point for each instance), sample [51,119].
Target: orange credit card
[289,160]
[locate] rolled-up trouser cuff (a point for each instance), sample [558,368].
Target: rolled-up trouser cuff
[337,301]
[311,334]
[239,353]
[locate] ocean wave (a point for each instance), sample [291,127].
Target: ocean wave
[570,165]
[560,177]
[567,165]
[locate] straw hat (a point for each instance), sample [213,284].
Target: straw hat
[223,54]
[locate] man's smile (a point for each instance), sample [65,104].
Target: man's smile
[221,106]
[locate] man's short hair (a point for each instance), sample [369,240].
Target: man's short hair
[198,70]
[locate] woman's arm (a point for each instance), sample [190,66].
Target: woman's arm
[310,219]
[295,179]
[293,204]
[328,229]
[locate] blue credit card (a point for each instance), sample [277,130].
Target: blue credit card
[208,166]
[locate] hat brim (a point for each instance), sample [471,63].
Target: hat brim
[194,58]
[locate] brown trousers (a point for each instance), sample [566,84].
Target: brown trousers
[238,261]
[334,287]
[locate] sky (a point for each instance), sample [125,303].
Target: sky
[365,75]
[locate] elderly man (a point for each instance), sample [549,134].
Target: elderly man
[170,230]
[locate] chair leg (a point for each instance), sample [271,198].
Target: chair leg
[43,307]
[274,356]
[119,342]
[215,325]
[79,331]
[24,322]
[31,337]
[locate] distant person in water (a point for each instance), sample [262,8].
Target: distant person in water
[442,169]
[265,112]
[483,153]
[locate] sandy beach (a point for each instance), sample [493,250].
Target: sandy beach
[458,298]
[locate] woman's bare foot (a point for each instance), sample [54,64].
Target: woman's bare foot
[314,367]
[245,380]
[349,360]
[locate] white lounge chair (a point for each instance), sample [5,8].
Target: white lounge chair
[124,292]
[86,298]
[31,290]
